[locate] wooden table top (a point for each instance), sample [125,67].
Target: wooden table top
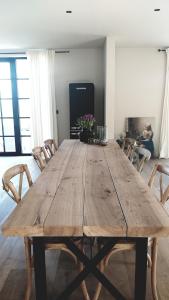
[91,190]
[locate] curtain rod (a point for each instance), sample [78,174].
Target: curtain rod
[23,53]
[161,50]
[13,53]
[66,51]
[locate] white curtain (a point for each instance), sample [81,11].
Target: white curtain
[43,104]
[164,140]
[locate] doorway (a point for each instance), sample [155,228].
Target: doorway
[15,137]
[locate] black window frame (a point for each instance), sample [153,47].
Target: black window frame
[15,105]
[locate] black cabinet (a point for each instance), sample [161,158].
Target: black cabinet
[81,97]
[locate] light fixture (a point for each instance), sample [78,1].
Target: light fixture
[68,11]
[156,9]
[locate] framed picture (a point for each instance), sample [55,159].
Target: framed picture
[135,126]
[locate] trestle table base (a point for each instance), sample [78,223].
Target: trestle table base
[90,266]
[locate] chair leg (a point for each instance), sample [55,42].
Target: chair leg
[99,285]
[83,284]
[149,262]
[154,270]
[29,268]
[103,265]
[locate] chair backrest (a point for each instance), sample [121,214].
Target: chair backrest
[123,144]
[130,152]
[40,156]
[161,170]
[145,156]
[50,146]
[128,146]
[8,185]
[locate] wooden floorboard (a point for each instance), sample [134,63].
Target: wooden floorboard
[60,267]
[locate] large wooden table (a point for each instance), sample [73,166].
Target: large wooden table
[92,191]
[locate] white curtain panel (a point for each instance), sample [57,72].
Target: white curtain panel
[164,140]
[43,104]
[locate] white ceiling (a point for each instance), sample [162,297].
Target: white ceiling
[45,24]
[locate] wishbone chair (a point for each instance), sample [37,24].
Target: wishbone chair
[145,156]
[152,242]
[16,194]
[40,156]
[50,146]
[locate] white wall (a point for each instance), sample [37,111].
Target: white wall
[82,65]
[140,77]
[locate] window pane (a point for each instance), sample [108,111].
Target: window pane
[5,70]
[7,109]
[22,68]
[24,108]
[23,88]
[26,144]
[8,126]
[9,144]
[25,126]
[5,89]
[1,145]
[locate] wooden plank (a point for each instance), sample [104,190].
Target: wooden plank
[28,217]
[49,180]
[102,212]
[65,217]
[144,215]
[56,162]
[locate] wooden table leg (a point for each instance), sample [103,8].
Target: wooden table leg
[39,268]
[141,268]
